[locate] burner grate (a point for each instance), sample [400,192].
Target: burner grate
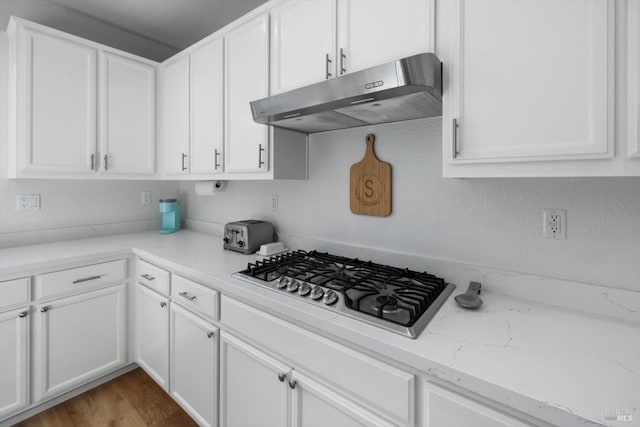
[397,295]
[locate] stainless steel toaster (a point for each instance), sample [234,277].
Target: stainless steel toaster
[247,236]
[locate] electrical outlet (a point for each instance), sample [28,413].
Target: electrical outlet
[146,198]
[28,202]
[274,202]
[554,225]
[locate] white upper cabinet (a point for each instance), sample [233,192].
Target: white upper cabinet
[375,32]
[56,103]
[207,108]
[633,93]
[314,40]
[529,80]
[246,79]
[127,111]
[176,116]
[77,107]
[303,43]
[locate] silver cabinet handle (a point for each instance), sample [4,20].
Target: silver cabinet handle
[342,58]
[86,279]
[105,161]
[163,304]
[455,138]
[260,150]
[93,161]
[23,314]
[216,165]
[186,295]
[210,334]
[292,384]
[282,376]
[327,67]
[44,309]
[148,277]
[184,157]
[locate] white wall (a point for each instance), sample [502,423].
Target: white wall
[72,208]
[489,222]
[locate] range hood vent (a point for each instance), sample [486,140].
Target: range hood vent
[406,89]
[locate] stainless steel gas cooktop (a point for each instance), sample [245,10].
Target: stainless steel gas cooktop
[396,299]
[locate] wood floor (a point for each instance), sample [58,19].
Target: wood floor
[132,399]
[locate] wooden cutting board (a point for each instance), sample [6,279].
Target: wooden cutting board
[370,190]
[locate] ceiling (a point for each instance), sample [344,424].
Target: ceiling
[174,23]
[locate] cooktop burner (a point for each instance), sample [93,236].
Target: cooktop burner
[397,299]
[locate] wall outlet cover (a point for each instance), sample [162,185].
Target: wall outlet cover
[554,224]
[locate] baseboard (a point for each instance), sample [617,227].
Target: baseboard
[33,410]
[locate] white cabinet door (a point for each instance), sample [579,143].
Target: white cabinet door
[442,408]
[207,108]
[175,106]
[246,79]
[78,339]
[14,361]
[375,32]
[152,334]
[251,395]
[633,93]
[194,365]
[127,112]
[303,43]
[58,123]
[529,79]
[314,405]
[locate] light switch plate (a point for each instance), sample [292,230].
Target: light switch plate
[28,202]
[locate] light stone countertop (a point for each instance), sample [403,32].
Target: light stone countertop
[562,366]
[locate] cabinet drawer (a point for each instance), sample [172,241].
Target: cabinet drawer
[195,296]
[14,292]
[78,279]
[382,388]
[154,277]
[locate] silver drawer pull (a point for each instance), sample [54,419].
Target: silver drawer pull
[44,309]
[209,334]
[282,376]
[23,314]
[86,279]
[292,384]
[186,295]
[148,277]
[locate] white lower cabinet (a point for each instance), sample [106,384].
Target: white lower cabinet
[443,408]
[78,339]
[194,365]
[251,393]
[314,405]
[14,361]
[152,334]
[279,395]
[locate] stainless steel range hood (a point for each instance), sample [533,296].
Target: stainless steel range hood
[406,89]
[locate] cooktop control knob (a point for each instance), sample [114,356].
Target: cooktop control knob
[330,298]
[304,289]
[282,283]
[317,293]
[293,286]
